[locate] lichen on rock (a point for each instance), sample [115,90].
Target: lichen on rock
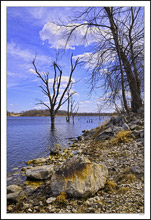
[78,177]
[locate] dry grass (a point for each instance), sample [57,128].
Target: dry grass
[61,198]
[130,178]
[121,137]
[111,183]
[123,190]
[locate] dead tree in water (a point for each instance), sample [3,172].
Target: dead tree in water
[74,108]
[55,102]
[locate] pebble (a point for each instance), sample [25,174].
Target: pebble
[50,200]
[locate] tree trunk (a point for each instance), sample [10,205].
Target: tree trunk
[52,116]
[136,101]
[123,89]
[68,109]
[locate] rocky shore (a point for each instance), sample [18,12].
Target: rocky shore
[101,172]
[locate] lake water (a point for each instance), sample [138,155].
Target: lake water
[32,137]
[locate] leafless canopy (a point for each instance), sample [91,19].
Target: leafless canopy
[117,57]
[55,102]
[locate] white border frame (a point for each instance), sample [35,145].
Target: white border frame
[4,5]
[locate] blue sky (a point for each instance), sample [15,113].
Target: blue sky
[28,32]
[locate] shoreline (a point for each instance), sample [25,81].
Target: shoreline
[124,159]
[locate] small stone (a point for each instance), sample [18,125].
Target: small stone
[13,189]
[49,207]
[41,203]
[29,210]
[26,205]
[50,200]
[74,210]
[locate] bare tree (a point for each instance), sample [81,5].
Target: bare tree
[55,102]
[119,33]
[74,108]
[69,95]
[99,107]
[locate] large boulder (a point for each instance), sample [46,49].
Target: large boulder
[78,177]
[40,172]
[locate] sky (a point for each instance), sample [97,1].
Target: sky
[29,32]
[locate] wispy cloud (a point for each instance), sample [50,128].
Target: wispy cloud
[14,50]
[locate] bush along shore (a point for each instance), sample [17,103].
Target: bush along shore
[101,172]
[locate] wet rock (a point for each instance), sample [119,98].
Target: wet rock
[78,177]
[55,149]
[40,172]
[80,138]
[39,160]
[26,168]
[13,189]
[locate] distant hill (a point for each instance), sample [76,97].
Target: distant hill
[45,112]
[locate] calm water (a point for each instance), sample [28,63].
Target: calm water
[32,137]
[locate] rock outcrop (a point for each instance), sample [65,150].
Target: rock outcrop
[78,177]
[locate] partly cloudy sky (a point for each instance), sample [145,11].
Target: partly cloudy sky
[30,32]
[34,31]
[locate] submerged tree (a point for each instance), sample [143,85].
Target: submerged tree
[74,108]
[55,102]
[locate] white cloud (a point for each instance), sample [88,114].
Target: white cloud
[84,102]
[64,81]
[57,35]
[31,71]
